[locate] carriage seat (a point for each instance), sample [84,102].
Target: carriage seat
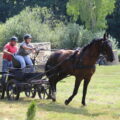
[19,75]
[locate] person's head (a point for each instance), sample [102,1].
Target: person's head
[13,40]
[27,38]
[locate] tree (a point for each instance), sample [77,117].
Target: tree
[113,22]
[9,8]
[39,22]
[91,12]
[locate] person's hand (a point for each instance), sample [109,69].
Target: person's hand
[33,50]
[12,54]
[42,49]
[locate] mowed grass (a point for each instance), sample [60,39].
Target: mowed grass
[103,100]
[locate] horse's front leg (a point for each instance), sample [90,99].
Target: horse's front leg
[86,82]
[77,84]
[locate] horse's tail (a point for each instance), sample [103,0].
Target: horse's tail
[47,67]
[51,64]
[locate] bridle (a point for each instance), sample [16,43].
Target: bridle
[103,46]
[80,65]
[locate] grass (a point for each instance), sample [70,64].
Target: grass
[103,100]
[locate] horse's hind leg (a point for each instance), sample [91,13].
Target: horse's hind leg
[77,84]
[52,92]
[86,82]
[53,84]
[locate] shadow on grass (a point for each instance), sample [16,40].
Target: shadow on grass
[22,100]
[54,107]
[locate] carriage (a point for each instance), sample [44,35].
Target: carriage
[18,80]
[61,64]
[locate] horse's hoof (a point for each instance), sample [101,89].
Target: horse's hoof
[66,102]
[84,104]
[49,97]
[54,100]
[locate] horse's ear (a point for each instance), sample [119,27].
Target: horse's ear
[105,37]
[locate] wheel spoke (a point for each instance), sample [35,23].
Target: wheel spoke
[12,91]
[43,92]
[2,92]
[31,92]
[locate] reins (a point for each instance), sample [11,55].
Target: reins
[71,57]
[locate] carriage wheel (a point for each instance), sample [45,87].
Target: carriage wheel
[12,90]
[43,92]
[30,92]
[2,92]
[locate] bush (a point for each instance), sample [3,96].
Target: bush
[39,22]
[77,36]
[113,40]
[119,57]
[42,25]
[118,51]
[85,36]
[31,111]
[70,36]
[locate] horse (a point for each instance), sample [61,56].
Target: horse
[78,63]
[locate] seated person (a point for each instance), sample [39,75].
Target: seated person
[23,53]
[9,49]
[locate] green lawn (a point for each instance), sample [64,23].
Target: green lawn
[103,100]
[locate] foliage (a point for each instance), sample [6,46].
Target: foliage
[113,40]
[39,22]
[9,8]
[70,37]
[44,27]
[85,36]
[91,12]
[113,22]
[77,36]
[119,56]
[31,111]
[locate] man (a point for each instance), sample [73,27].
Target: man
[23,54]
[9,49]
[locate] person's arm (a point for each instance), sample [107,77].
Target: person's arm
[5,50]
[27,48]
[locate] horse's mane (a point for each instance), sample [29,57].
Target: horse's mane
[84,48]
[90,44]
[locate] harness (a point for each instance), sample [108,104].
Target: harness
[79,63]
[85,66]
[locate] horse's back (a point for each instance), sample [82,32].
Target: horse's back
[57,57]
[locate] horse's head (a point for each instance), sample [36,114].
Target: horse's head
[106,48]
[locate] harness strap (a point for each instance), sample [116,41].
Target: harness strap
[79,64]
[84,66]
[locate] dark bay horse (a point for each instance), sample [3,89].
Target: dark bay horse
[80,63]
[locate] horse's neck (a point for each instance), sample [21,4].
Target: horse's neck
[90,56]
